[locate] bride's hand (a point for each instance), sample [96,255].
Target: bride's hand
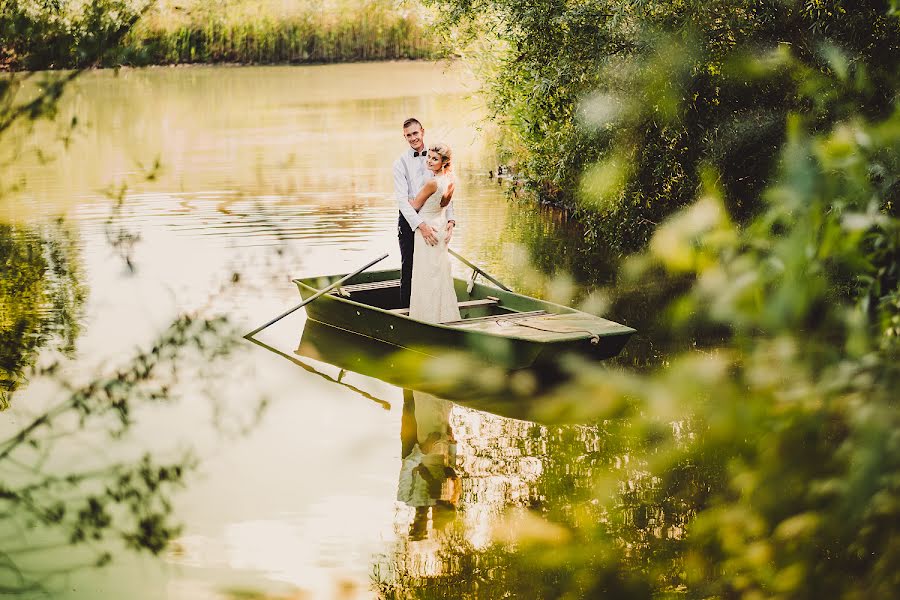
[450,226]
[448,195]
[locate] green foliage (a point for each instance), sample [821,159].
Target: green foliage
[798,410]
[100,500]
[654,90]
[81,510]
[753,151]
[45,34]
[39,34]
[210,33]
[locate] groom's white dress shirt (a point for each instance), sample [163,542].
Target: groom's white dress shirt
[410,174]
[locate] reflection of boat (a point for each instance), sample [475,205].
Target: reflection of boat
[408,369]
[353,352]
[509,329]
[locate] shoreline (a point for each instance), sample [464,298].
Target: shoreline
[449,60]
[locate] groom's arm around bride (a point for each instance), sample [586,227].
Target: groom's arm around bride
[409,175]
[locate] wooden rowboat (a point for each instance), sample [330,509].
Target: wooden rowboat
[506,328]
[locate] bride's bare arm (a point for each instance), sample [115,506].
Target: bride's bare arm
[427,190]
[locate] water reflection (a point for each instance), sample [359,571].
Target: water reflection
[265,131]
[41,298]
[428,479]
[459,376]
[461,470]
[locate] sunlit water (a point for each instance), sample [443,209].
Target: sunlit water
[269,173]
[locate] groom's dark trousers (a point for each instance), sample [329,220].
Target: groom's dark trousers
[407,243]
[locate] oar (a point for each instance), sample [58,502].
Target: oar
[486,276]
[384,403]
[316,295]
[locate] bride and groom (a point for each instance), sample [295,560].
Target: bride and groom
[423,185]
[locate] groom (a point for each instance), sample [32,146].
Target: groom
[410,174]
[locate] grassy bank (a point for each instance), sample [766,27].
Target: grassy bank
[265,32]
[131,32]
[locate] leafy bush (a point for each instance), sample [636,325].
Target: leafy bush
[45,34]
[654,90]
[753,151]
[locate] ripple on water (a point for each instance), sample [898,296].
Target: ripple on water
[251,221]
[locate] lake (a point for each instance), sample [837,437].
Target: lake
[204,190]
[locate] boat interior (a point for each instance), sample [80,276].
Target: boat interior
[475,301]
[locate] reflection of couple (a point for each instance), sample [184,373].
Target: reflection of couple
[423,185]
[428,478]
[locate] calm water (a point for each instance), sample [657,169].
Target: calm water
[266,174]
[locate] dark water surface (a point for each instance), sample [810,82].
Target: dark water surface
[269,173]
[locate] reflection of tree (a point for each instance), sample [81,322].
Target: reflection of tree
[556,244]
[48,505]
[64,503]
[51,511]
[41,298]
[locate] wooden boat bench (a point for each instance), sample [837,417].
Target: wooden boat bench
[346,290]
[489,301]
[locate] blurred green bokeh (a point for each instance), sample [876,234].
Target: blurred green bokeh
[751,150]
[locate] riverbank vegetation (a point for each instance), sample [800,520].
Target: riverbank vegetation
[614,109]
[254,31]
[751,153]
[45,35]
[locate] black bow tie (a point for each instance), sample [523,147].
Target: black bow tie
[422,153]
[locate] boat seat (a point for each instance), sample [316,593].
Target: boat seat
[489,301]
[346,290]
[507,317]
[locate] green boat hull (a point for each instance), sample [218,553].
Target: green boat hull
[373,313]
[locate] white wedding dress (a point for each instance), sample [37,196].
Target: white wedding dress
[432,423]
[433,299]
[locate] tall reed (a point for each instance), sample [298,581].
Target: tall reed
[313,32]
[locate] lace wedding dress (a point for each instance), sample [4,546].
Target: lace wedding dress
[433,299]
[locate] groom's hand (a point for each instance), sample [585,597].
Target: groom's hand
[450,226]
[428,233]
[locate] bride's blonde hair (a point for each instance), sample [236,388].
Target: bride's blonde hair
[444,151]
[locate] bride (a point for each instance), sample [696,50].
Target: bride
[433,298]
